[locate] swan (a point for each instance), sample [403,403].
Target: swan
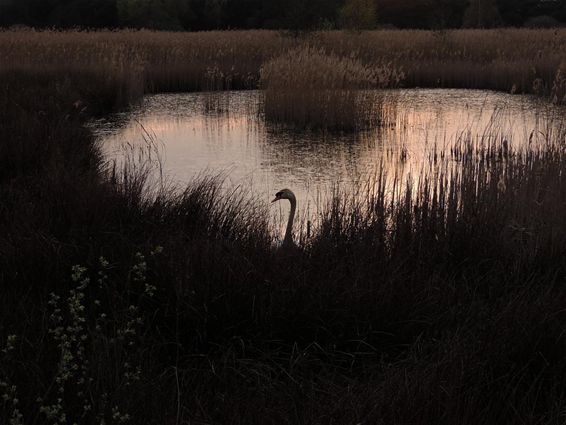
[288,194]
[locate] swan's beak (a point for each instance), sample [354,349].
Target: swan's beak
[276,199]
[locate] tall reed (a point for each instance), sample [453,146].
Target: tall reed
[513,60]
[308,87]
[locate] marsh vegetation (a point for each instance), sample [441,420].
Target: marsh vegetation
[510,60]
[438,302]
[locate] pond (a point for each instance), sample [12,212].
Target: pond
[225,132]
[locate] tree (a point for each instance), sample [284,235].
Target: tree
[156,14]
[542,21]
[482,14]
[434,14]
[358,15]
[518,12]
[214,13]
[83,13]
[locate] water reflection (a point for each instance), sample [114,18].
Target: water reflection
[226,132]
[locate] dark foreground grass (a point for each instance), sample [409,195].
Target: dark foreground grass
[441,304]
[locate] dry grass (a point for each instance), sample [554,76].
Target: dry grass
[159,61]
[517,60]
[308,87]
[311,81]
[499,59]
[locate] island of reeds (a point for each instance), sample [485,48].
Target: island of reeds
[443,303]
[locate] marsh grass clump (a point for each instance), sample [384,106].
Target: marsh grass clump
[558,91]
[309,87]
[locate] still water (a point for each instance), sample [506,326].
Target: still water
[225,132]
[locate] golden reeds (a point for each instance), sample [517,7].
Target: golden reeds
[322,80]
[499,59]
[308,87]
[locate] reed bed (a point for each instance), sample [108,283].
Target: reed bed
[308,87]
[158,61]
[512,60]
[323,79]
[500,59]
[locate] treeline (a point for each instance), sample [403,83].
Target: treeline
[281,14]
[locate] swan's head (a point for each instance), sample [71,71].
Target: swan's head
[284,194]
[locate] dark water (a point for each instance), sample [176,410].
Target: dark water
[226,132]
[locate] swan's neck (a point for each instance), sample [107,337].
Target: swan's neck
[289,232]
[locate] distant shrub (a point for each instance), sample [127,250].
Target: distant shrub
[542,21]
[358,15]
